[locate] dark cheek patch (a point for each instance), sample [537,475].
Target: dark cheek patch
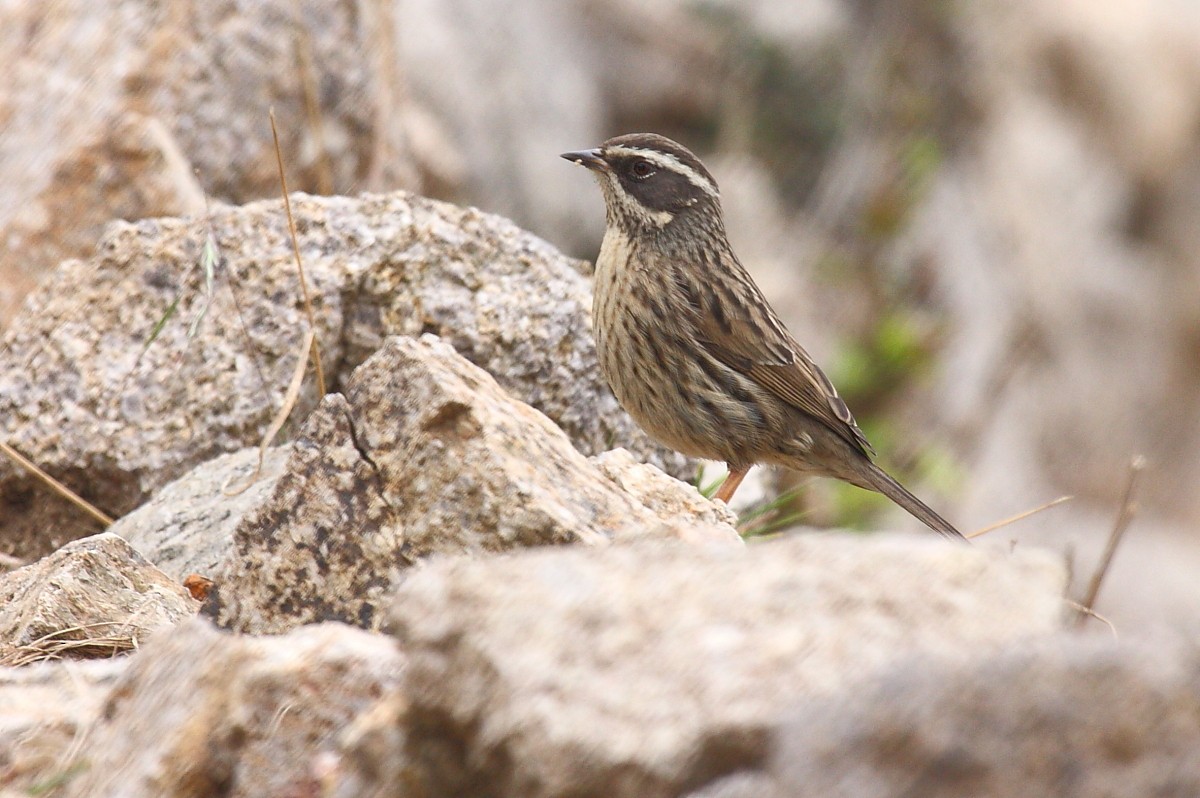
[663,191]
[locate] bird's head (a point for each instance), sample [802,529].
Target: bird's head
[650,181]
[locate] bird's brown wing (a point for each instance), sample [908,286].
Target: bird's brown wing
[740,330]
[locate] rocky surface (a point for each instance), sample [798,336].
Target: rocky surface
[1068,718]
[88,392]
[47,708]
[979,217]
[540,77]
[650,670]
[95,597]
[683,512]
[845,667]
[368,761]
[101,123]
[188,526]
[427,455]
[204,713]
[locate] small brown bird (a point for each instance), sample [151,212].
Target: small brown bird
[689,344]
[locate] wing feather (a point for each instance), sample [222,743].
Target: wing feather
[748,337]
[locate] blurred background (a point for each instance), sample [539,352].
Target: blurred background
[982,218]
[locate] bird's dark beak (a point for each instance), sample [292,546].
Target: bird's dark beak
[589,158]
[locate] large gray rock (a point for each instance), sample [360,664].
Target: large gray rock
[649,670]
[85,394]
[845,667]
[367,760]
[101,124]
[427,455]
[1069,718]
[95,597]
[205,713]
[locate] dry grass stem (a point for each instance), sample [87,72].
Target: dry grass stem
[54,646]
[55,485]
[308,308]
[310,346]
[1088,612]
[1018,517]
[289,401]
[1124,519]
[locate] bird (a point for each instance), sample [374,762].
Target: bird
[690,346]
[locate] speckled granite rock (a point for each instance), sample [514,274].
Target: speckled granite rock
[79,396]
[94,597]
[132,109]
[426,454]
[187,528]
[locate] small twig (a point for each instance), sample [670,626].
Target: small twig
[1087,612]
[308,308]
[1018,517]
[55,485]
[289,402]
[1124,518]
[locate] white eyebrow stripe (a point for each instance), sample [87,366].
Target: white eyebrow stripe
[667,161]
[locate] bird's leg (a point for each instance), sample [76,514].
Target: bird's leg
[730,485]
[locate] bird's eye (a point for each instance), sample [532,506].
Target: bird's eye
[643,169]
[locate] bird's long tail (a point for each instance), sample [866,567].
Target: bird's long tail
[879,480]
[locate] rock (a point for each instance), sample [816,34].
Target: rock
[427,455]
[341,106]
[127,167]
[366,761]
[516,93]
[48,706]
[95,597]
[89,396]
[652,670]
[188,527]
[685,514]
[130,110]
[322,547]
[1068,717]
[204,713]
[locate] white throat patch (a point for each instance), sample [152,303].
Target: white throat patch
[630,206]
